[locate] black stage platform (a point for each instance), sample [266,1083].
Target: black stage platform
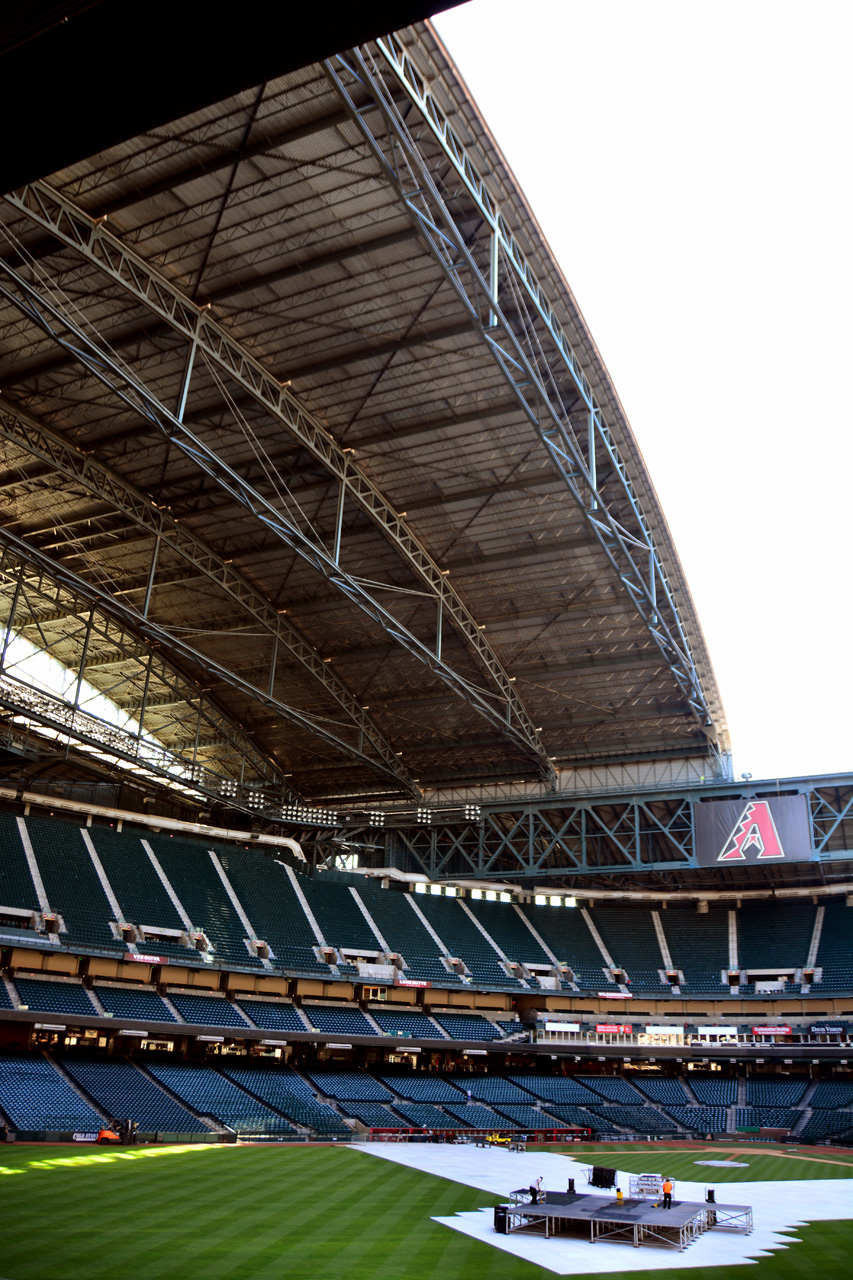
[633,1221]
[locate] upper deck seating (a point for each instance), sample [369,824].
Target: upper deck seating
[71,884]
[509,931]
[140,893]
[16,883]
[36,1097]
[565,932]
[774,934]
[699,946]
[120,1089]
[192,874]
[398,922]
[338,915]
[834,953]
[458,932]
[264,888]
[630,937]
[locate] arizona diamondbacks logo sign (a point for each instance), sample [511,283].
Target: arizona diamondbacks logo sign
[755,832]
[738,832]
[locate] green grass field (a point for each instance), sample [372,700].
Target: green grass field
[314,1213]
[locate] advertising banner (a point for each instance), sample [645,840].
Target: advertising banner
[614,1028]
[738,832]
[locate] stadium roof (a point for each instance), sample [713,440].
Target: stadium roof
[311,465]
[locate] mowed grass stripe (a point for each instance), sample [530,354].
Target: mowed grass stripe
[311,1214]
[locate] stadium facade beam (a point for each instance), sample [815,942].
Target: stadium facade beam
[162,530]
[498,700]
[241,776]
[531,350]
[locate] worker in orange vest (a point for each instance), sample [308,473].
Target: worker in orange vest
[667,1193]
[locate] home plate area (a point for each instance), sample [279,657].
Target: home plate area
[590,1232]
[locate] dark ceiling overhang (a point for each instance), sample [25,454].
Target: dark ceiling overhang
[102,71]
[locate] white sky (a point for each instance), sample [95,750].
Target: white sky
[691,167]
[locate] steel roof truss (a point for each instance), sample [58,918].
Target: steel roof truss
[255,775]
[88,237]
[25,431]
[409,174]
[108,603]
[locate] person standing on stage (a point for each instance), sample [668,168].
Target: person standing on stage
[667,1193]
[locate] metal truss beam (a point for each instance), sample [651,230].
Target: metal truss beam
[153,634]
[46,444]
[530,352]
[130,335]
[499,701]
[244,778]
[604,836]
